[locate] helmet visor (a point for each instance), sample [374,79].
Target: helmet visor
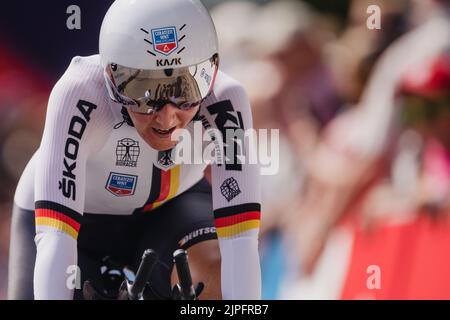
[147,91]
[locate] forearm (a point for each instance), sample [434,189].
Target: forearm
[53,274]
[241,271]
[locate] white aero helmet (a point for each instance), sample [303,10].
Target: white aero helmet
[158,51]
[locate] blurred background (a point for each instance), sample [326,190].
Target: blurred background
[360,207]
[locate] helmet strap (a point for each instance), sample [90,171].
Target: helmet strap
[197,116]
[126,118]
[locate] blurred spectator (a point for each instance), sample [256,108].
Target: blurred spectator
[23,96]
[290,86]
[363,169]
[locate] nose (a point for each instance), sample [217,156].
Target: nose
[166,117]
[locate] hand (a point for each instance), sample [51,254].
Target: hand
[92,292]
[176,291]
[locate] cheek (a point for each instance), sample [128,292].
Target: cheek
[184,117]
[141,120]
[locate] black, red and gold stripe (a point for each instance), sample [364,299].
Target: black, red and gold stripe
[165,185]
[52,214]
[232,221]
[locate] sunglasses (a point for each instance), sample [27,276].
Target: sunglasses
[148,91]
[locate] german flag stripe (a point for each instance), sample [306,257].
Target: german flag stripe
[156,185]
[50,214]
[159,187]
[174,182]
[165,185]
[57,224]
[231,231]
[173,178]
[53,206]
[154,190]
[235,219]
[170,182]
[236,210]
[148,207]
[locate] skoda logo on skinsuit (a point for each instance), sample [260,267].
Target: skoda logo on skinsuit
[77,127]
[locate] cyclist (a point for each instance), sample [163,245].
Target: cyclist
[105,180]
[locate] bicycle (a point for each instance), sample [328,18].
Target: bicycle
[133,285]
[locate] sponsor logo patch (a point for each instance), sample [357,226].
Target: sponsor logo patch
[230,188]
[195,234]
[167,62]
[227,119]
[165,40]
[120,184]
[77,126]
[127,152]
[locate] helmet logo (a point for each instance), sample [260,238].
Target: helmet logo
[165,40]
[167,62]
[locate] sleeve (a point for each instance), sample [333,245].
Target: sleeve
[236,194]
[72,130]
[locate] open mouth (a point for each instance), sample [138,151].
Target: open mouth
[164,132]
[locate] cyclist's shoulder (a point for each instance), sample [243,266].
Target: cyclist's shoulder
[84,74]
[82,90]
[90,63]
[226,85]
[227,91]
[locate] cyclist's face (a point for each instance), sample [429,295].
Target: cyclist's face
[157,128]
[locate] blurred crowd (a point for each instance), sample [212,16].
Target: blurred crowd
[363,189]
[23,98]
[359,208]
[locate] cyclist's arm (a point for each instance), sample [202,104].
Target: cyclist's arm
[236,201]
[72,117]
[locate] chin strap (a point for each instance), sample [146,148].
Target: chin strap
[197,116]
[126,119]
